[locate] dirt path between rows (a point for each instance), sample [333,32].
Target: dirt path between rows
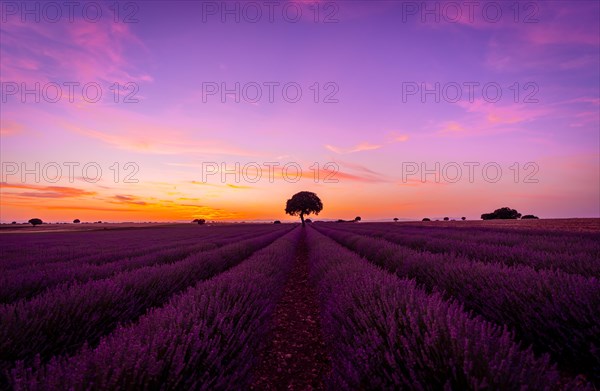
[295,357]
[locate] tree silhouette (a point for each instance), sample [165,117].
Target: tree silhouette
[357,219]
[303,203]
[76,221]
[463,218]
[396,219]
[526,217]
[502,213]
[446,218]
[35,222]
[426,219]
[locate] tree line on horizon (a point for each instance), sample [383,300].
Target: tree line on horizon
[305,203]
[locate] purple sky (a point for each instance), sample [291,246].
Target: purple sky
[366,60]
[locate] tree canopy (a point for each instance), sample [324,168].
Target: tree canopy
[35,221]
[302,204]
[502,213]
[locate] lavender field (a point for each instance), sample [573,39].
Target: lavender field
[329,306]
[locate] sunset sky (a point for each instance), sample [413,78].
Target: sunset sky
[369,128]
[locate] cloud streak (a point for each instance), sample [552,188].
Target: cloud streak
[47,191]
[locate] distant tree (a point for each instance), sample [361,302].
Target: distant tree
[340,221]
[201,221]
[502,213]
[14,222]
[463,218]
[276,222]
[194,221]
[527,217]
[357,219]
[308,221]
[303,203]
[35,222]
[446,218]
[426,219]
[76,221]
[396,219]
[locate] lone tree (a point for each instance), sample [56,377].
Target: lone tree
[303,203]
[396,219]
[426,219]
[76,221]
[463,218]
[199,221]
[446,218]
[35,222]
[357,219]
[502,213]
[527,217]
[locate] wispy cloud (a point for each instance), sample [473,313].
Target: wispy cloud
[390,138]
[484,118]
[128,199]
[47,191]
[10,128]
[146,138]
[328,172]
[89,51]
[239,186]
[365,146]
[88,207]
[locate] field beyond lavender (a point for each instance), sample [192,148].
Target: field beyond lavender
[432,305]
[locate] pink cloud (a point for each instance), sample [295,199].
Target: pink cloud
[78,51]
[325,172]
[536,45]
[391,138]
[152,141]
[127,199]
[10,128]
[364,146]
[483,117]
[46,191]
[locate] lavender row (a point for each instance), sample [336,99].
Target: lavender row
[61,321]
[554,311]
[206,338]
[18,284]
[523,231]
[24,250]
[585,262]
[42,250]
[385,333]
[567,244]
